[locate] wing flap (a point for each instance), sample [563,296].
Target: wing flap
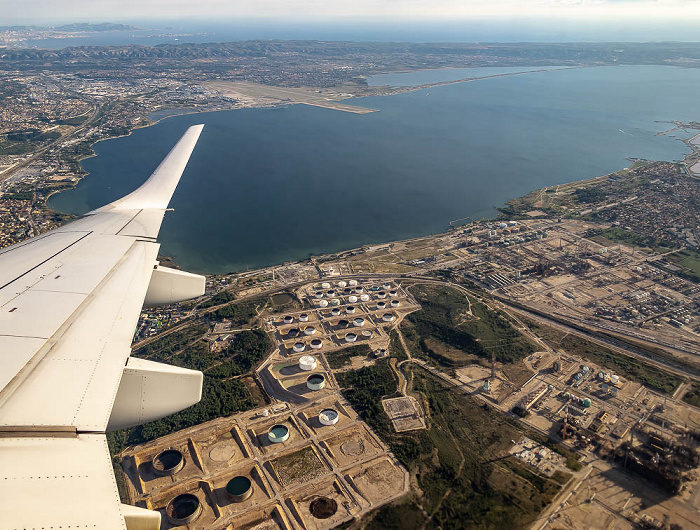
[58,482]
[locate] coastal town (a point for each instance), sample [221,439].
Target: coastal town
[542,364]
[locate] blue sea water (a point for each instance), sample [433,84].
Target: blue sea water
[269,185]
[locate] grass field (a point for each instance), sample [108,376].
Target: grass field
[689,260]
[463,474]
[454,329]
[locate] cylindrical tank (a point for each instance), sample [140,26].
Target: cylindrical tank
[364,297]
[183,509]
[288,319]
[298,347]
[325,285]
[395,303]
[387,317]
[350,309]
[393,294]
[318,294]
[303,317]
[309,330]
[350,337]
[367,333]
[342,283]
[278,434]
[335,301]
[323,303]
[307,362]
[615,379]
[587,402]
[335,312]
[358,289]
[168,462]
[328,417]
[386,285]
[316,344]
[352,283]
[381,305]
[315,382]
[358,322]
[330,294]
[381,294]
[239,489]
[352,299]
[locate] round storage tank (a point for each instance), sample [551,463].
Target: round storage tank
[352,299]
[325,285]
[587,402]
[350,309]
[335,312]
[347,291]
[358,322]
[323,303]
[288,319]
[315,382]
[309,330]
[303,317]
[298,347]
[393,294]
[318,294]
[307,362]
[341,283]
[350,337]
[615,379]
[352,283]
[386,285]
[381,305]
[278,434]
[328,417]
[168,462]
[387,317]
[358,289]
[330,294]
[367,333]
[183,509]
[381,294]
[316,344]
[335,301]
[239,489]
[364,297]
[395,303]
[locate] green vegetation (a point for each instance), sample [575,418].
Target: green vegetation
[340,358]
[395,348]
[589,195]
[689,260]
[458,464]
[624,365]
[630,238]
[692,396]
[452,329]
[238,314]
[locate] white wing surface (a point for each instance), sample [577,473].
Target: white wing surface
[69,303]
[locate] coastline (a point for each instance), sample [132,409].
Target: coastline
[174,112]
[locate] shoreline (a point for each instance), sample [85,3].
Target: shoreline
[175,112]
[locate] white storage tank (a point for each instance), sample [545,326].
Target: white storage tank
[352,299]
[288,319]
[393,294]
[315,382]
[381,294]
[303,317]
[309,330]
[316,344]
[298,347]
[318,295]
[342,283]
[335,301]
[325,285]
[364,297]
[350,309]
[358,322]
[350,337]
[307,363]
[367,333]
[381,305]
[395,303]
[323,303]
[352,283]
[387,317]
[335,312]
[328,417]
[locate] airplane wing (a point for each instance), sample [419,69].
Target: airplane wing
[70,300]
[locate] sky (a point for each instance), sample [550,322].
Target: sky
[53,11]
